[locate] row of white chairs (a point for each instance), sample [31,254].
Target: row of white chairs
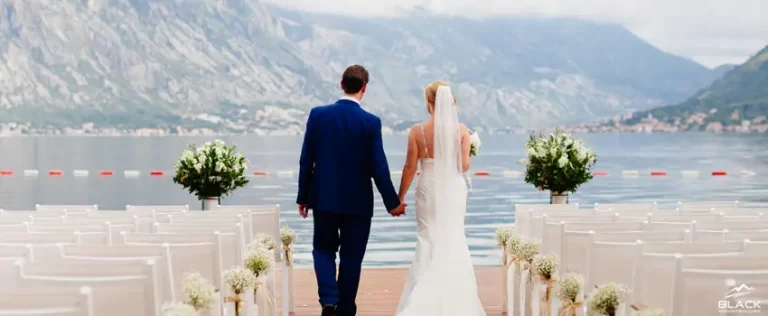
[663,262]
[153,245]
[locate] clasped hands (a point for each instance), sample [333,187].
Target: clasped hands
[396,212]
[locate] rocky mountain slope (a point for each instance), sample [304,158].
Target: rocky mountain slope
[737,102]
[240,66]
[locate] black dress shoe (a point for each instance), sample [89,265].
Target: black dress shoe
[329,310]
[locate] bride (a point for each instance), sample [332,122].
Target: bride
[441,280]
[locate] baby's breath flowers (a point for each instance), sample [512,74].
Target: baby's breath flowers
[605,300]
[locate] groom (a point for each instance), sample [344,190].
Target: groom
[342,151]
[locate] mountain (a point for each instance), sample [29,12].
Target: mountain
[240,66]
[724,69]
[737,102]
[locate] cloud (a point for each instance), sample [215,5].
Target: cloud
[711,32]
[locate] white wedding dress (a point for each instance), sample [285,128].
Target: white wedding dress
[441,279]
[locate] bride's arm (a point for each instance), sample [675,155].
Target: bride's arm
[411,164]
[465,147]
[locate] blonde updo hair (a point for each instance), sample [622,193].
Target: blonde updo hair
[430,94]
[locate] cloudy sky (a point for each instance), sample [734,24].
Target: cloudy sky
[712,32]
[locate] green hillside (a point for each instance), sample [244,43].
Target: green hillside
[740,95]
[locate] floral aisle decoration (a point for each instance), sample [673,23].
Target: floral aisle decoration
[545,267]
[178,309]
[238,280]
[264,241]
[211,171]
[568,291]
[524,253]
[288,237]
[259,260]
[606,299]
[558,163]
[504,236]
[198,292]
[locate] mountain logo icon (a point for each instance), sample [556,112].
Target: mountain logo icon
[739,291]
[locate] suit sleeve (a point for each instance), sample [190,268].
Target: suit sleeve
[381,174]
[306,163]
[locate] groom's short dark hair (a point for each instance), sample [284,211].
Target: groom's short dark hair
[354,79]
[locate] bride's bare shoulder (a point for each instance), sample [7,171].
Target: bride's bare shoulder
[464,128]
[414,130]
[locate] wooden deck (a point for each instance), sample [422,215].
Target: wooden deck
[380,291]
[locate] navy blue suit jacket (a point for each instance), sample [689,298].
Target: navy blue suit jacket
[342,151]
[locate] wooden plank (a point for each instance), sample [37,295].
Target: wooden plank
[380,289]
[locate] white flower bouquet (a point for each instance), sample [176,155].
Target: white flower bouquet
[605,299]
[178,309]
[288,237]
[238,279]
[198,292]
[474,143]
[558,163]
[523,256]
[264,241]
[211,170]
[545,267]
[568,290]
[259,260]
[527,250]
[503,237]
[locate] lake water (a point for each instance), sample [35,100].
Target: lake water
[490,203]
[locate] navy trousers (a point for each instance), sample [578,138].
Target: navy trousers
[347,235]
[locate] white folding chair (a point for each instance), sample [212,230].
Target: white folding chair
[125,253]
[695,286]
[48,302]
[523,214]
[120,289]
[64,208]
[653,218]
[265,219]
[744,211]
[52,238]
[111,229]
[656,267]
[669,226]
[163,209]
[14,228]
[706,206]
[619,207]
[732,226]
[538,223]
[47,219]
[11,217]
[611,257]
[203,253]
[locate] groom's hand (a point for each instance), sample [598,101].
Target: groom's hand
[399,210]
[303,210]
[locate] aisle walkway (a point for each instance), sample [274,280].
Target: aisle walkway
[380,291]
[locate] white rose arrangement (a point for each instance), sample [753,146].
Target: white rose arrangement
[558,162]
[474,143]
[211,170]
